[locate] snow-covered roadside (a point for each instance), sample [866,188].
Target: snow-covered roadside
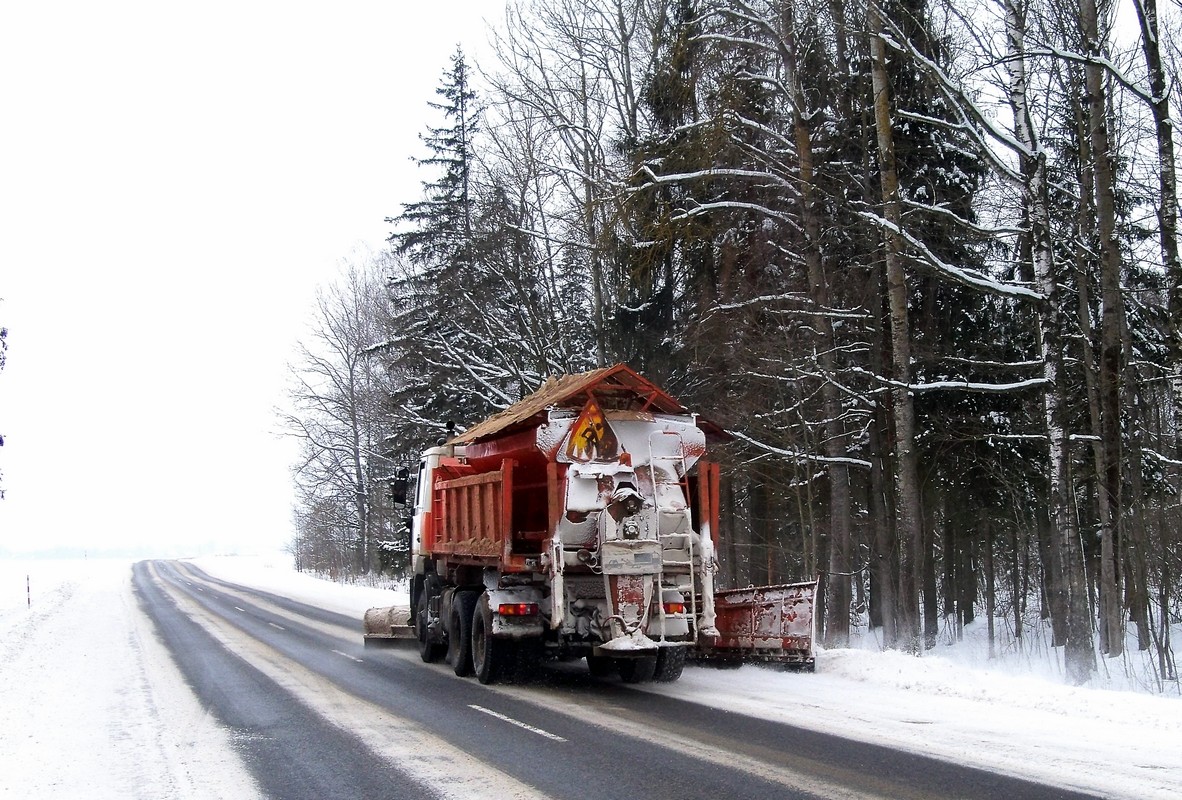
[91,704]
[947,704]
[274,573]
[1118,744]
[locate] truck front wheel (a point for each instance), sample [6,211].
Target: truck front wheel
[429,651]
[488,654]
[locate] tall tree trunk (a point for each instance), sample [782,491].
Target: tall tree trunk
[1052,584]
[1134,552]
[357,465]
[1017,586]
[1091,371]
[950,566]
[1167,667]
[1111,364]
[738,553]
[1079,656]
[1167,212]
[1167,209]
[986,525]
[760,530]
[591,230]
[884,553]
[931,513]
[907,519]
[883,559]
[838,596]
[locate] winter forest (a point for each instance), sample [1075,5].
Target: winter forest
[919,257]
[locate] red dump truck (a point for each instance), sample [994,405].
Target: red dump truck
[582,522]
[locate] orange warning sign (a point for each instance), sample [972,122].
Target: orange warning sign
[591,438]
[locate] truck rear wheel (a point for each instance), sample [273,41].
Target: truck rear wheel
[637,670]
[459,640]
[489,655]
[670,663]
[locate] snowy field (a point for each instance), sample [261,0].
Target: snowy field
[91,705]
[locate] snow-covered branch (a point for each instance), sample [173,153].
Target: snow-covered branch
[796,455]
[964,386]
[963,275]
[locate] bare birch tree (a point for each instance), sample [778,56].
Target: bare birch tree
[1080,659]
[337,416]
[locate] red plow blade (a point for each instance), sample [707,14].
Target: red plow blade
[772,624]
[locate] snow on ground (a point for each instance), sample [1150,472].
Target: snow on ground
[274,574]
[91,706]
[1119,744]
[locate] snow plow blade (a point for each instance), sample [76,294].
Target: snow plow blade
[387,626]
[764,624]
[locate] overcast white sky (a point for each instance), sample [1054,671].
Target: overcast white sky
[176,179]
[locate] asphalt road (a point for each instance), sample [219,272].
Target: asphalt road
[317,715]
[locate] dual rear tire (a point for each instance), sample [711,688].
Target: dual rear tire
[491,657]
[470,646]
[637,670]
[459,628]
[665,667]
[670,663]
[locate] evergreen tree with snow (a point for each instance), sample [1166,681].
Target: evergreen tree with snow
[438,229]
[435,302]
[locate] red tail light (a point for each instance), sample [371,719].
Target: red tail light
[517,609]
[675,608]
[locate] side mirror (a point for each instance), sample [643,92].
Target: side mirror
[398,487]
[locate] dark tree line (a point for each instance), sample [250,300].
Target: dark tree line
[925,267]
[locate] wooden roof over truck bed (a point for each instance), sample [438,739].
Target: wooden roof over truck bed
[614,388]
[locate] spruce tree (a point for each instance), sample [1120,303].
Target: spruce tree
[437,231]
[435,311]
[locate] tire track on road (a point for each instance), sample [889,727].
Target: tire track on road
[378,754]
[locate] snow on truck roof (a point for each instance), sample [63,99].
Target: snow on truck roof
[614,388]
